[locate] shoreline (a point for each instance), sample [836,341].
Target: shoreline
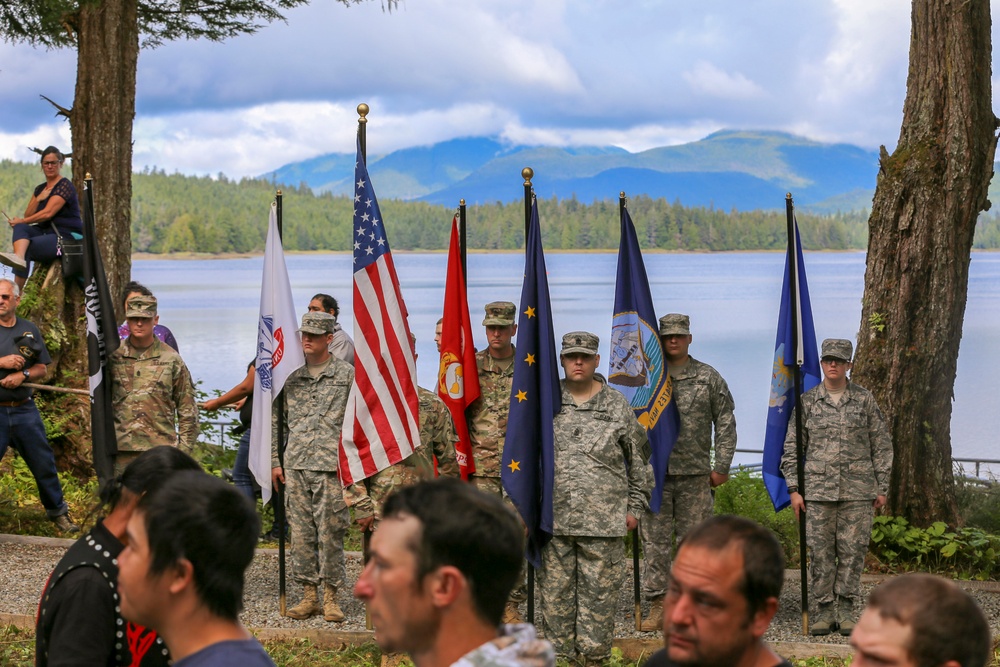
[147,256]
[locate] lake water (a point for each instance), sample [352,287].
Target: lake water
[732,298]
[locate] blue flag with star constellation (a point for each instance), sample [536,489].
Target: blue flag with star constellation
[535,398]
[791,355]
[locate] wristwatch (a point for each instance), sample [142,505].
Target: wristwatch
[27,374]
[793,489]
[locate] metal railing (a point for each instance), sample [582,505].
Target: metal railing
[957,463]
[219,435]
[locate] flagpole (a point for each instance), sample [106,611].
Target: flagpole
[528,173]
[279,489]
[366,536]
[793,261]
[461,241]
[636,595]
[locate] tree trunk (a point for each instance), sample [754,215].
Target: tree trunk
[101,125]
[929,195]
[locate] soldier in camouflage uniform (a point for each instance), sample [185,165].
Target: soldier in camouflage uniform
[315,402]
[487,415]
[151,389]
[847,465]
[437,441]
[602,482]
[703,401]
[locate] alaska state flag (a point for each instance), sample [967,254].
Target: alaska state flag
[790,354]
[535,398]
[636,366]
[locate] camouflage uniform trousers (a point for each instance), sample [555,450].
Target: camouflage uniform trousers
[838,534]
[578,584]
[318,518]
[687,501]
[494,486]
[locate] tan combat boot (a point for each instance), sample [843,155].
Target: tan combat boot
[331,610]
[653,622]
[309,606]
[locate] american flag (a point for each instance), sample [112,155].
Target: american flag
[381,425]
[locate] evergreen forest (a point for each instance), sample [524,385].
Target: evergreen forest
[177,213]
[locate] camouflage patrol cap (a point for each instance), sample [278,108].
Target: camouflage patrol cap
[837,348]
[141,306]
[675,324]
[317,323]
[499,314]
[580,342]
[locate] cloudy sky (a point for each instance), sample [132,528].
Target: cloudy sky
[632,73]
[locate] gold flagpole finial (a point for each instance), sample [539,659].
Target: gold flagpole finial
[461,202]
[88,177]
[527,173]
[788,195]
[363,112]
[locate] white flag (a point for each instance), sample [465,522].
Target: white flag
[279,352]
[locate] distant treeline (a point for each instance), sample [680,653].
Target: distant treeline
[176,213]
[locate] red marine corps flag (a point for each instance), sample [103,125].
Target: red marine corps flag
[458,377]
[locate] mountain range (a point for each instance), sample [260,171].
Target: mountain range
[729,169]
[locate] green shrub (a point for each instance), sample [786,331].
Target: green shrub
[745,494]
[966,553]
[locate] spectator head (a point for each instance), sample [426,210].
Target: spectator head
[921,620]
[724,589]
[443,547]
[324,303]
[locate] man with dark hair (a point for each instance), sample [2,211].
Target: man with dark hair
[189,545]
[79,615]
[23,358]
[920,620]
[723,592]
[442,565]
[341,345]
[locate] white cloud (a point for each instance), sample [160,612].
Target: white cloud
[635,75]
[709,80]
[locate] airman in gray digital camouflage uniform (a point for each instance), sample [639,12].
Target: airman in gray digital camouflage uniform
[847,465]
[704,402]
[315,504]
[602,482]
[152,394]
[437,441]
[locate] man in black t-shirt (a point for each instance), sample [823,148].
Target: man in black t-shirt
[23,358]
[723,592]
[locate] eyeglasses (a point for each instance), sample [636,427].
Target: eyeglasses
[835,362]
[50,163]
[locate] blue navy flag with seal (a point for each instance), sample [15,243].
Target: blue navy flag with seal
[636,365]
[790,355]
[535,398]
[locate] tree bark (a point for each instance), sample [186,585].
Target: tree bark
[101,125]
[929,195]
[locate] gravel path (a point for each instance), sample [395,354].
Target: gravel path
[24,569]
